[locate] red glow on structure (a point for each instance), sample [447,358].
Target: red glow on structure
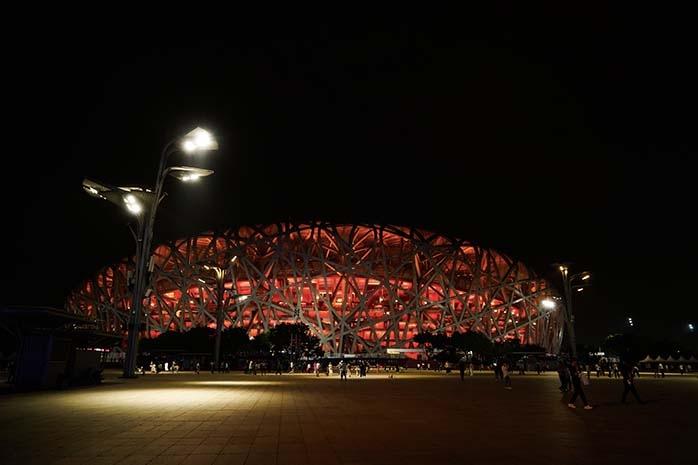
[360,288]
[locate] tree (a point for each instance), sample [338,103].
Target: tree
[431,342]
[196,340]
[627,346]
[294,339]
[532,348]
[508,346]
[234,340]
[260,344]
[473,341]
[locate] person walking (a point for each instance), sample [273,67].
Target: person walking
[563,374]
[629,382]
[342,371]
[505,375]
[461,368]
[575,377]
[661,370]
[497,370]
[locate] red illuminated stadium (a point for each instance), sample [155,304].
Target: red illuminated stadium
[359,288]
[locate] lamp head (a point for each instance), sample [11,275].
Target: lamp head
[188,173]
[198,140]
[135,199]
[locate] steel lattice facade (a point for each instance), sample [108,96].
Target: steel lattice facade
[359,288]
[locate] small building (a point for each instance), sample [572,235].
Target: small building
[55,348]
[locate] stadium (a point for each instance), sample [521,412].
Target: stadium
[360,288]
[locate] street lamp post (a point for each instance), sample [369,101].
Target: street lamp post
[196,141]
[568,284]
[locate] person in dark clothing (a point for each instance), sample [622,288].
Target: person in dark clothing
[497,370]
[562,373]
[11,368]
[461,368]
[629,382]
[575,378]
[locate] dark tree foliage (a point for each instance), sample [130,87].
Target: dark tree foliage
[432,342]
[627,346]
[260,344]
[294,339]
[196,340]
[234,341]
[508,346]
[473,341]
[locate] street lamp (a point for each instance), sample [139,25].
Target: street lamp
[134,199]
[219,274]
[568,283]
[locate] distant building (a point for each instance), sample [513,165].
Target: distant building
[360,288]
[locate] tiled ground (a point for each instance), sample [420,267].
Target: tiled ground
[297,419]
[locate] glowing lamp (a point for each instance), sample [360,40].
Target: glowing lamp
[198,140]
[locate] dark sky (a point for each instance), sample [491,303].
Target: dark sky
[550,137]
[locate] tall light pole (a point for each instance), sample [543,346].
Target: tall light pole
[568,282]
[219,274]
[194,142]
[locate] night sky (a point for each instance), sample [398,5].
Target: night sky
[566,137]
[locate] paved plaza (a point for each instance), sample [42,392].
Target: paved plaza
[414,418]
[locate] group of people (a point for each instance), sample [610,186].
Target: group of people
[160,367]
[344,368]
[174,367]
[660,370]
[572,377]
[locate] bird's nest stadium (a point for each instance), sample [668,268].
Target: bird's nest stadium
[360,288]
